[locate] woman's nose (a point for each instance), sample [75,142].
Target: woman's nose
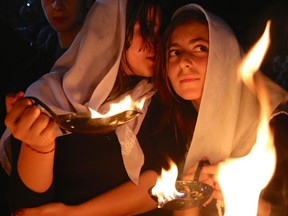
[185,60]
[57,3]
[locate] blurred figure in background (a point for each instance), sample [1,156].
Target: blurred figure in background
[30,63]
[33,19]
[28,58]
[65,19]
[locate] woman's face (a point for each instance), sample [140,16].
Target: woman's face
[141,60]
[187,60]
[65,15]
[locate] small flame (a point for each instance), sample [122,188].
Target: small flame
[165,189]
[242,179]
[115,108]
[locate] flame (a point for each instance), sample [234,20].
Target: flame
[242,179]
[115,108]
[165,189]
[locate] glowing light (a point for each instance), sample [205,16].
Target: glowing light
[115,108]
[165,189]
[242,179]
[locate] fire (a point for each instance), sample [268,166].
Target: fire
[242,179]
[165,189]
[126,104]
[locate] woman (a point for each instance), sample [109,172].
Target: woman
[90,173]
[208,104]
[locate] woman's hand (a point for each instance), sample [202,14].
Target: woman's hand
[207,176]
[28,123]
[211,172]
[51,209]
[11,98]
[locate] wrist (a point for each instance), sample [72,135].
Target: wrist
[41,150]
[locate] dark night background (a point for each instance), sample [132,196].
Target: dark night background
[247,18]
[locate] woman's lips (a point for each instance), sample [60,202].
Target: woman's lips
[58,19]
[151,58]
[187,80]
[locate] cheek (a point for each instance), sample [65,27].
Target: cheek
[132,57]
[203,67]
[203,74]
[172,79]
[172,72]
[136,42]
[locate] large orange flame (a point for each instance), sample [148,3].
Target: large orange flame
[242,179]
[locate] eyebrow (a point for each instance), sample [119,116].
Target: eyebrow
[191,41]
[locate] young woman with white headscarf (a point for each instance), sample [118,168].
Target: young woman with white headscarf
[214,114]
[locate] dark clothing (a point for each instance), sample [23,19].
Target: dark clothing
[48,51]
[4,209]
[86,165]
[276,191]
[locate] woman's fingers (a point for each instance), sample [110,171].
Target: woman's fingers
[29,124]
[11,98]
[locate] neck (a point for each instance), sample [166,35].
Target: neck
[196,104]
[65,39]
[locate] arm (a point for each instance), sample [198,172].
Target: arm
[188,212]
[37,133]
[32,171]
[126,199]
[272,199]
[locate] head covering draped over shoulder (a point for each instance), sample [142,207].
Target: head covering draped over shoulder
[229,112]
[84,76]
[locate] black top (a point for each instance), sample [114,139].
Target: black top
[276,192]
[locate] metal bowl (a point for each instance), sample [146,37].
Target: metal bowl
[83,123]
[193,193]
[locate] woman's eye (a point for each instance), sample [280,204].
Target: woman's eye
[201,48]
[173,53]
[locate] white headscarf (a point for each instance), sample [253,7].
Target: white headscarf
[229,111]
[84,76]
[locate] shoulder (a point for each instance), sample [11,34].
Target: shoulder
[280,113]
[45,34]
[279,124]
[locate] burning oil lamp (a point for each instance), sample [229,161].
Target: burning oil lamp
[91,121]
[181,194]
